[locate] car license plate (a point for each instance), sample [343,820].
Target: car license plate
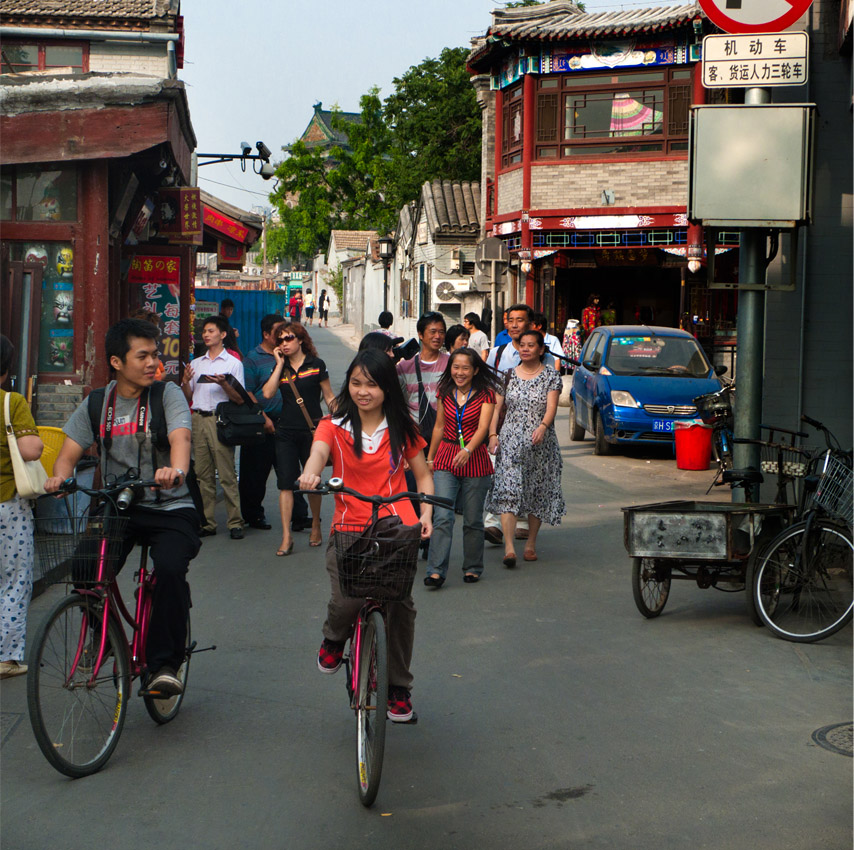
[662,425]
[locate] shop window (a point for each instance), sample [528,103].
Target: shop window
[56,320]
[39,194]
[512,127]
[626,113]
[19,57]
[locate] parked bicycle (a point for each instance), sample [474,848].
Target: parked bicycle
[82,662]
[802,580]
[380,568]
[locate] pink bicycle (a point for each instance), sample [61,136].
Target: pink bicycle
[81,662]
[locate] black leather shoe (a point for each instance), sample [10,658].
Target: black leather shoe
[236,533]
[298,525]
[260,523]
[206,532]
[434,581]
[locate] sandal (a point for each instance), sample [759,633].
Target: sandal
[315,541]
[283,553]
[471,578]
[529,555]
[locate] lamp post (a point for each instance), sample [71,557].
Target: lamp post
[386,250]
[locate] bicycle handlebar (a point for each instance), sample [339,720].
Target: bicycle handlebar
[336,485]
[829,437]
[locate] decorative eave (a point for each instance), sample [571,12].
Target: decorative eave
[561,20]
[452,207]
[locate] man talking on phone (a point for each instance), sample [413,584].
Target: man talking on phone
[205,385]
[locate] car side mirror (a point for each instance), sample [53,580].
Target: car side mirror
[720,369]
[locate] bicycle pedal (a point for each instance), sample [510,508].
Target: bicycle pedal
[154,694]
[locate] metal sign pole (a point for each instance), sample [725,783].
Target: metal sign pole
[750,347]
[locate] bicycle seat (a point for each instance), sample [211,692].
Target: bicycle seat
[742,476]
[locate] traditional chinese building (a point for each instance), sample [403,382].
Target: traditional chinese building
[97,214]
[585,163]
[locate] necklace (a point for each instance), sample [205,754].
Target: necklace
[525,371]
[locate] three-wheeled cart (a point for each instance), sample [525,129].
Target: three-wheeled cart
[709,543]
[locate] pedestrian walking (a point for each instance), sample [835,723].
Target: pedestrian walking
[369,438]
[456,337]
[226,310]
[309,307]
[256,461]
[300,379]
[323,308]
[154,319]
[205,385]
[385,321]
[527,456]
[295,306]
[462,468]
[382,342]
[591,316]
[478,339]
[16,524]
[553,344]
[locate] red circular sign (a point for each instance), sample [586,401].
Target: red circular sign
[746,16]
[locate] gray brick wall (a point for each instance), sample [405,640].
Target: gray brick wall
[122,56]
[56,402]
[510,191]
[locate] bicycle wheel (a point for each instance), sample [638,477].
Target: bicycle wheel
[372,706]
[650,585]
[77,722]
[163,710]
[802,587]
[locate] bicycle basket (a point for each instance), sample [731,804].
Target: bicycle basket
[379,560]
[713,408]
[834,491]
[72,548]
[793,461]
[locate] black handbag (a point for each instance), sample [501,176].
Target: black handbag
[239,424]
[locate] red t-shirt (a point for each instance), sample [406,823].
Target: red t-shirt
[375,473]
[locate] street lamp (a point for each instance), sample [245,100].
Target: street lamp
[265,170]
[385,246]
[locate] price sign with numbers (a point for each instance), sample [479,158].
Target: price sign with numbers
[762,60]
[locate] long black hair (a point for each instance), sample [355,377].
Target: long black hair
[484,378]
[402,428]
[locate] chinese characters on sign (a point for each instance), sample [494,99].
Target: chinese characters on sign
[761,61]
[159,279]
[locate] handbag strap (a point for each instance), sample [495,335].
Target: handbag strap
[423,401]
[7,417]
[300,402]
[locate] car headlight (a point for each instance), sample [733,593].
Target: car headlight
[623,399]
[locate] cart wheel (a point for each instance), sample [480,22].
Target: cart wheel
[650,585]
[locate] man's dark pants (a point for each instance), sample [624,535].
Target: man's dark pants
[255,465]
[173,541]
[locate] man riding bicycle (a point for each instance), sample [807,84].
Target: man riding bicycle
[166,519]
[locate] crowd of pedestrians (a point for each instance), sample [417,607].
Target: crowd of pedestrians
[471,421]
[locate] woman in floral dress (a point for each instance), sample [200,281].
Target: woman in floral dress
[528,463]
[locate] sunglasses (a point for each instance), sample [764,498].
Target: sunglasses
[287,338]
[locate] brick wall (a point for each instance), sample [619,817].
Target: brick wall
[510,192]
[56,402]
[134,58]
[635,184]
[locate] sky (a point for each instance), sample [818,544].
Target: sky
[253,69]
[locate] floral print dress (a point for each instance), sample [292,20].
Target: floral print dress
[527,477]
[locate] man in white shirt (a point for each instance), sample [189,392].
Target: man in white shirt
[205,386]
[519,320]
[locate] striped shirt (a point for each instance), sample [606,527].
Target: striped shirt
[479,463]
[430,374]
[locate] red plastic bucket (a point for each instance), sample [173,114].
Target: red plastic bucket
[693,446]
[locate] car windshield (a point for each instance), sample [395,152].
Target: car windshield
[657,355]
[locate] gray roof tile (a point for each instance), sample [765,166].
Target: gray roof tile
[451,207]
[140,9]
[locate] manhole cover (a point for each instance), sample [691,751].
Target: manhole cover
[838,738]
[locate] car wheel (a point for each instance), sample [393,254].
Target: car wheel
[576,432]
[602,446]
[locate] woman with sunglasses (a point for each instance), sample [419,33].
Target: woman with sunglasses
[301,378]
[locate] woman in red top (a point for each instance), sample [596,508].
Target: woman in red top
[369,439]
[460,461]
[591,315]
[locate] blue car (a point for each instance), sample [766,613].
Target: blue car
[635,383]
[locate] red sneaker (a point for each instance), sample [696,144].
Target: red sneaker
[330,656]
[399,705]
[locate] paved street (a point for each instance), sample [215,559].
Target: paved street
[552,715]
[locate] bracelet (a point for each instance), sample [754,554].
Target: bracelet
[492,435]
[544,424]
[466,449]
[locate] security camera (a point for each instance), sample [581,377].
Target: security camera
[263,151]
[267,171]
[245,148]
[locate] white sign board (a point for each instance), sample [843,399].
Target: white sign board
[761,61]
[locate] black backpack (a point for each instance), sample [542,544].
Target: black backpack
[159,433]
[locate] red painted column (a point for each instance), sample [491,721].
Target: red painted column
[92,274]
[528,129]
[695,231]
[499,143]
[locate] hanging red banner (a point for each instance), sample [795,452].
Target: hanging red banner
[225,225]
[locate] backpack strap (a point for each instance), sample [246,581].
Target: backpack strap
[95,402]
[498,355]
[423,403]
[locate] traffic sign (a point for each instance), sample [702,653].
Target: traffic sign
[746,16]
[748,61]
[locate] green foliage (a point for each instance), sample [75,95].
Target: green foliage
[282,241]
[429,127]
[335,281]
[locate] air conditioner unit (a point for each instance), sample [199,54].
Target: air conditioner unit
[445,290]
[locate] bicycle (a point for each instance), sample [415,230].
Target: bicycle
[801,582]
[81,663]
[378,567]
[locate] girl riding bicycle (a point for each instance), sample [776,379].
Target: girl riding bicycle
[368,440]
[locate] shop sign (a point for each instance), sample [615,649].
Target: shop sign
[160,280]
[179,211]
[230,256]
[615,53]
[225,225]
[762,61]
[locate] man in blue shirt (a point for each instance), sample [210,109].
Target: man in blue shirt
[257,461]
[503,336]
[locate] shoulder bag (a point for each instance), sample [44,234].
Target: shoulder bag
[312,425]
[239,424]
[30,475]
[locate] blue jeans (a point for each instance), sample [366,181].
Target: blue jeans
[472,493]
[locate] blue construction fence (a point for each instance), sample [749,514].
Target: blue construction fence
[250,306]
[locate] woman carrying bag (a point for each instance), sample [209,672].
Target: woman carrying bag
[301,377]
[16,522]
